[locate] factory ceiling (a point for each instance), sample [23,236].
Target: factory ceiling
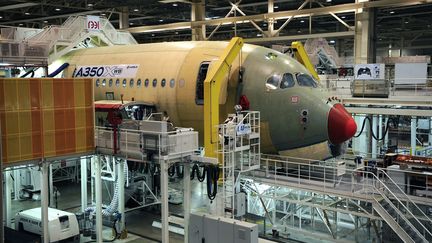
[398,23]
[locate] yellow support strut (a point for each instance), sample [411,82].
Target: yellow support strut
[212,86]
[303,58]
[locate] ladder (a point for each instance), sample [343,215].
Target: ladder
[239,150]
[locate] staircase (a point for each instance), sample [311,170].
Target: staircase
[399,211]
[53,42]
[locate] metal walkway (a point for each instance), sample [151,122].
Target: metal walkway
[42,47]
[291,192]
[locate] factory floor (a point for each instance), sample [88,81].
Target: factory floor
[138,222]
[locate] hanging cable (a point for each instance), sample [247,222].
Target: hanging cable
[212,179]
[179,170]
[171,170]
[371,128]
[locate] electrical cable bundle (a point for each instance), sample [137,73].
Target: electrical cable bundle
[212,179]
[197,172]
[371,130]
[180,170]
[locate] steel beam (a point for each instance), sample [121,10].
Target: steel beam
[389,111]
[301,37]
[17,6]
[335,9]
[416,101]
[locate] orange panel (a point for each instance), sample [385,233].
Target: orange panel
[43,118]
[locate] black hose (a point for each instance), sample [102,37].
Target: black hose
[180,170]
[27,73]
[212,179]
[171,171]
[58,70]
[371,129]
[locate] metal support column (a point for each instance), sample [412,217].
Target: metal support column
[44,201]
[124,18]
[8,194]
[121,191]
[386,137]
[186,199]
[197,14]
[270,20]
[430,132]
[51,186]
[374,141]
[84,202]
[364,51]
[380,131]
[164,201]
[413,135]
[17,183]
[98,189]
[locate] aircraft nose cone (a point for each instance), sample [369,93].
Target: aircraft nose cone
[341,126]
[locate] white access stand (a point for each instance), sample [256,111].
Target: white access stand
[239,147]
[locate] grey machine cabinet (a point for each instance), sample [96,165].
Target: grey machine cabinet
[205,228]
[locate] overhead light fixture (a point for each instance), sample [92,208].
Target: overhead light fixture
[392,12]
[21,24]
[27,13]
[176,33]
[45,21]
[131,23]
[265,24]
[301,21]
[406,22]
[175,4]
[343,17]
[90,5]
[161,20]
[1,17]
[57,9]
[136,10]
[329,1]
[332,41]
[207,18]
[103,14]
[259,35]
[298,31]
[153,34]
[276,7]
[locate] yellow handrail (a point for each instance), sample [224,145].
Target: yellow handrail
[212,88]
[303,58]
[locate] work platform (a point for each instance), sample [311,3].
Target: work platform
[335,202]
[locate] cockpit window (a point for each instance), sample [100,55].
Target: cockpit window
[273,81]
[306,80]
[287,81]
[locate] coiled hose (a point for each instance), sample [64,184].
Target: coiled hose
[371,130]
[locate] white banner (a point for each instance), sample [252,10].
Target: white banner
[369,71]
[107,71]
[93,22]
